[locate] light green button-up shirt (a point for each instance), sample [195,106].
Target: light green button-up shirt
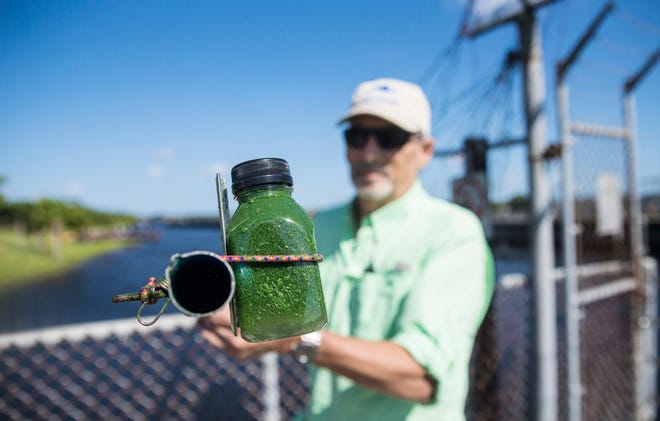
[417,272]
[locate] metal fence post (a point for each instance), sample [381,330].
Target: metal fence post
[541,236]
[271,397]
[645,394]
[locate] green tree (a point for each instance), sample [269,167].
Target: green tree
[44,213]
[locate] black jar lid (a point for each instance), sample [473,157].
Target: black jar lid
[260,171]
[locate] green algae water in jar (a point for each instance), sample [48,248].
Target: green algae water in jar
[272,300]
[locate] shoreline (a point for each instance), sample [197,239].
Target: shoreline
[22,265]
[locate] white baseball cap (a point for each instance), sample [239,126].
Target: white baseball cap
[402,103]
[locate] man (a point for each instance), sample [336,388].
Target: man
[407,278]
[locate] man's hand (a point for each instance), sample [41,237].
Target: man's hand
[216,329]
[380,365]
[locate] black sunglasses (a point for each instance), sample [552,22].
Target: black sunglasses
[390,138]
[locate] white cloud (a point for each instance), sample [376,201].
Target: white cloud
[154,170]
[74,188]
[215,167]
[163,153]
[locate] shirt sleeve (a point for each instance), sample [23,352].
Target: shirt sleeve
[445,307]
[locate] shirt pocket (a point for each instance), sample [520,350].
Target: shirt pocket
[374,303]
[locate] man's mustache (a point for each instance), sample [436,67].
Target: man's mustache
[368,168]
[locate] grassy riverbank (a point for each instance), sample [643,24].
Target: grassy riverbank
[23,259]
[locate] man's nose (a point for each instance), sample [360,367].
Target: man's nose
[371,146]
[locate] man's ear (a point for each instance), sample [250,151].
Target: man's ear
[428,150]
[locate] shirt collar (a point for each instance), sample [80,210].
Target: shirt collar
[392,212]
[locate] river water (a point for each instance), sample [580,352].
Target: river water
[85,294]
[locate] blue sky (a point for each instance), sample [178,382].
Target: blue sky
[132,106]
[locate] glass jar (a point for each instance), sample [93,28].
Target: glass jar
[272,300]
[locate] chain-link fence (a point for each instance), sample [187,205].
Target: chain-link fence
[600,204]
[616,307]
[120,370]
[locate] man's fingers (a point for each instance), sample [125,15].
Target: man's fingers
[219,319]
[212,338]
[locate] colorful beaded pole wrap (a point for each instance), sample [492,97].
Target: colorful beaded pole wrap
[274,258]
[157,289]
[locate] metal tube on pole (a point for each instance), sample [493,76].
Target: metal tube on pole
[574,384]
[540,221]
